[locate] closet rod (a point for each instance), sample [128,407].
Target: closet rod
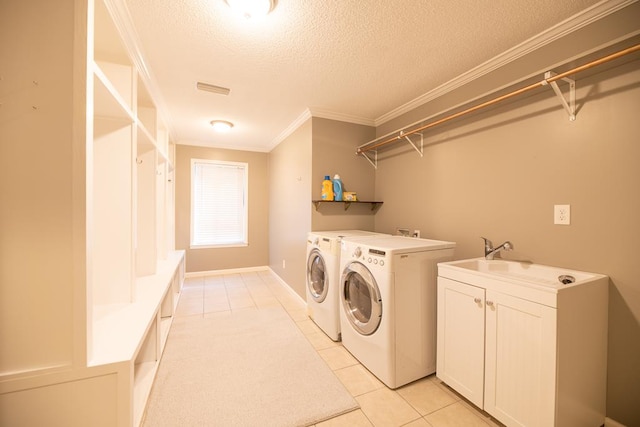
[516,92]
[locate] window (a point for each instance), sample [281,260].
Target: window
[218,203]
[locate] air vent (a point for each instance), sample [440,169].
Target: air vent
[213,88]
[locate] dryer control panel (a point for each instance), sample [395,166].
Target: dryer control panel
[370,256]
[375,257]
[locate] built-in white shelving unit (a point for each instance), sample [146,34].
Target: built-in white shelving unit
[117,312]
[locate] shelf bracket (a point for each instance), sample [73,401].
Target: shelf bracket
[419,150]
[570,106]
[347,203]
[374,161]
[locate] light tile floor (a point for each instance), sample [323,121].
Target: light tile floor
[423,403]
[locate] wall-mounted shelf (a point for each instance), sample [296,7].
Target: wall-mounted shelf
[374,204]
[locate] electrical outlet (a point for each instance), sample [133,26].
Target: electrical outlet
[562,214]
[283,265]
[416,233]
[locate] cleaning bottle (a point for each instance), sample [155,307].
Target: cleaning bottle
[337,188]
[327,189]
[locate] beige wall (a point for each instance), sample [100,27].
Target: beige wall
[333,152]
[290,206]
[257,252]
[297,166]
[499,173]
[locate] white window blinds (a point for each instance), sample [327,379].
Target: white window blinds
[218,203]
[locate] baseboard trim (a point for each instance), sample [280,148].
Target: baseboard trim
[286,285]
[608,422]
[245,270]
[227,271]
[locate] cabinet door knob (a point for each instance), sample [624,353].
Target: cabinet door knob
[490,303]
[477,300]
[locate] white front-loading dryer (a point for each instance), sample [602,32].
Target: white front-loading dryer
[323,276]
[388,304]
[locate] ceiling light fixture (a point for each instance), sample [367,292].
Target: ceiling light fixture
[221,125]
[252,8]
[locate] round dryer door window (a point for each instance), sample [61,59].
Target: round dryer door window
[360,298]
[317,277]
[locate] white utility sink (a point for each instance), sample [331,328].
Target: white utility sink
[536,273]
[503,274]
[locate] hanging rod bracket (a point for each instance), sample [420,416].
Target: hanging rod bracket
[374,161]
[550,79]
[570,106]
[419,150]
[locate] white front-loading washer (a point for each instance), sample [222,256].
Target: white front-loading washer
[323,277]
[388,304]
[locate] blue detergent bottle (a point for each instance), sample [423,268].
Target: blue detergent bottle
[337,188]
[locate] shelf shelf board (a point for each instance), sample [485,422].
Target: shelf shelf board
[119,329]
[145,140]
[347,203]
[107,101]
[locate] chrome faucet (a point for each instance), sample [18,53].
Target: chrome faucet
[489,251]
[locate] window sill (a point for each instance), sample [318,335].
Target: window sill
[221,246]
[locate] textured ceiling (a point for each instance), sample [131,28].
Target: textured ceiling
[354,59]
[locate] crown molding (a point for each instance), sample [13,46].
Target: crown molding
[124,23]
[574,23]
[320,113]
[302,118]
[332,115]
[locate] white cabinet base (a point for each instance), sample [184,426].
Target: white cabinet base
[460,361]
[528,356]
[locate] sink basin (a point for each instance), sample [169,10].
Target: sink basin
[537,274]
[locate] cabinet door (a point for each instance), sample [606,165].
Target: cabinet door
[520,361]
[460,349]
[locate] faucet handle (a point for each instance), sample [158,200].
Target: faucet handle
[487,243]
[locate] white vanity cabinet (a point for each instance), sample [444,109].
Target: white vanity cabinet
[520,360]
[460,342]
[528,354]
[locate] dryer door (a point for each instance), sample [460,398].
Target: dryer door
[317,277]
[361,300]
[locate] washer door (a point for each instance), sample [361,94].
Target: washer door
[317,277]
[361,300]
